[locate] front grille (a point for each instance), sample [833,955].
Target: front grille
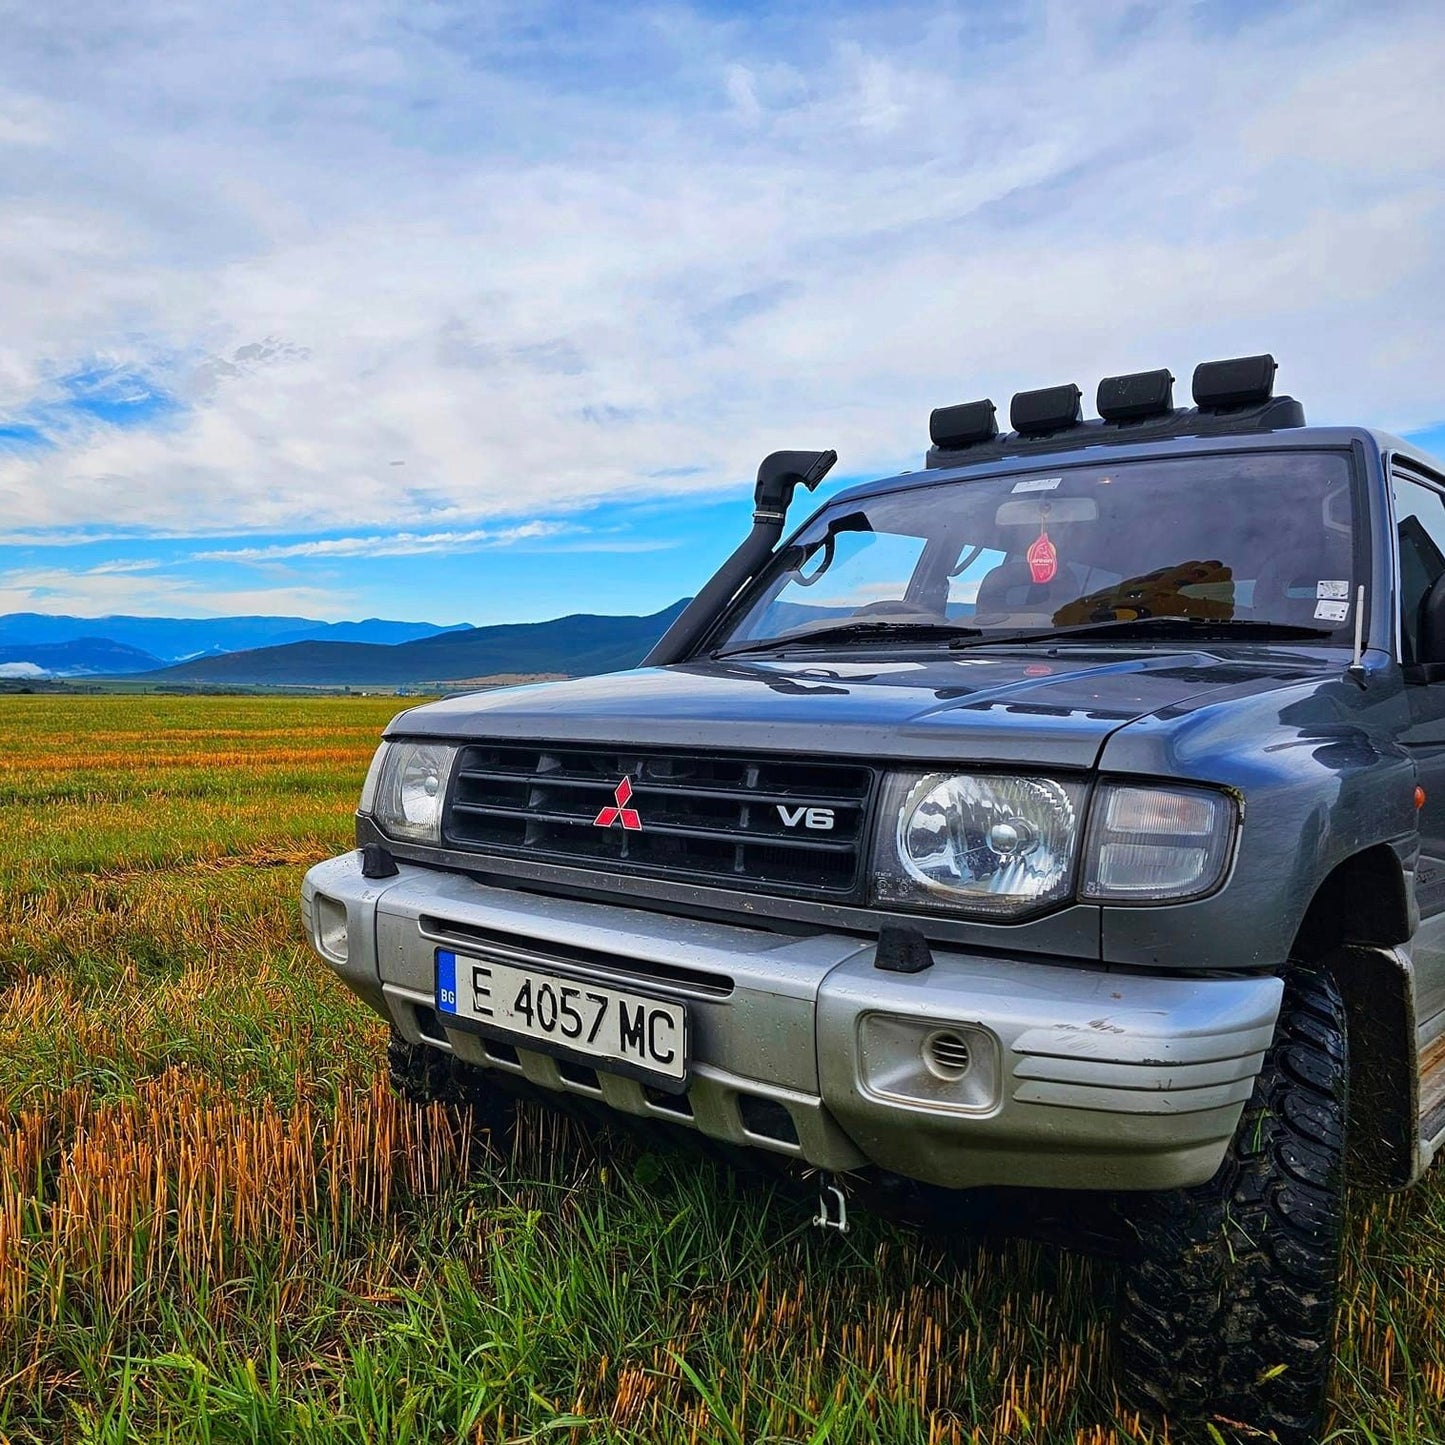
[708,816]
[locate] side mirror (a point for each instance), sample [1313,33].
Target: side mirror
[1430,638]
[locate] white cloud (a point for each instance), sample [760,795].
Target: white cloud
[121,568]
[82,537]
[105,591]
[22,669]
[1392,84]
[24,123]
[390,234]
[396,544]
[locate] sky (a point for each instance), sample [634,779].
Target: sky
[455,311]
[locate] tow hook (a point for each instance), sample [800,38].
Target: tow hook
[832,1208]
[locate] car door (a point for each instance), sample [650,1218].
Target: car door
[1420,529]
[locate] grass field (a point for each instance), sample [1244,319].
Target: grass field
[217,1225]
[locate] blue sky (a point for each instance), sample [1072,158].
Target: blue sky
[485,312]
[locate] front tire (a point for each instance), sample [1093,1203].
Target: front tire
[1227,1312]
[423,1075]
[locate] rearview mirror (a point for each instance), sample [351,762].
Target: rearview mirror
[1040,511]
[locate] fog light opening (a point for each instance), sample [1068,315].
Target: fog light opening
[330,925]
[947,1056]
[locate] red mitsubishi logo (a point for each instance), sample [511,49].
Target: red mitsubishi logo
[621,812]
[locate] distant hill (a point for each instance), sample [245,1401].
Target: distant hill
[374,629]
[173,639]
[85,657]
[575,646]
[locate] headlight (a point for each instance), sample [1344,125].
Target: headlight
[407,786]
[373,779]
[978,843]
[1157,845]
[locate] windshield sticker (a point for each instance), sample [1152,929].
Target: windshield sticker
[1331,611]
[1043,559]
[1338,591]
[1037,484]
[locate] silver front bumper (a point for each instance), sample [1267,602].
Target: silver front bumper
[976,1071]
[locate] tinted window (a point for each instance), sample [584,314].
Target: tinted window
[1420,517]
[1260,536]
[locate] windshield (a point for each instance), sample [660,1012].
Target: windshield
[1262,537]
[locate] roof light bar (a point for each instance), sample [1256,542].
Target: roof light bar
[1052,408]
[1240,381]
[963,425]
[1232,398]
[1135,396]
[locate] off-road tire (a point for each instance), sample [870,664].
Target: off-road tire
[423,1075]
[1227,1312]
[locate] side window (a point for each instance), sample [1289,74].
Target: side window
[1420,517]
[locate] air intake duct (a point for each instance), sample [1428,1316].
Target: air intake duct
[780,475]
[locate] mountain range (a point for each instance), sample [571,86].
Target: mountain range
[303,653]
[162,640]
[575,646]
[82,657]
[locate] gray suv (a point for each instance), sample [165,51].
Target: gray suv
[1067,817]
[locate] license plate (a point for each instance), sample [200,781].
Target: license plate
[589,1019]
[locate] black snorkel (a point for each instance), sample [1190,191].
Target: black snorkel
[780,475]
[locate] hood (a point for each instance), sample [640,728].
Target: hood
[968,707]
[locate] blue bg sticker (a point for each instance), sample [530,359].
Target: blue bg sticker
[446,981]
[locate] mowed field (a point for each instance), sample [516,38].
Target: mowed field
[217,1225]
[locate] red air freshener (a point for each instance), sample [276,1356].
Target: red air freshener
[1043,559]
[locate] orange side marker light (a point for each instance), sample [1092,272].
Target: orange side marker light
[1419,796]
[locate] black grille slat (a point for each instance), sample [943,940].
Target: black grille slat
[601,785]
[704,815]
[671,830]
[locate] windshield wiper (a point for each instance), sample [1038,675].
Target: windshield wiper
[962,635]
[1187,627]
[861,631]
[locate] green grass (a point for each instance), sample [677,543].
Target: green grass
[217,1225]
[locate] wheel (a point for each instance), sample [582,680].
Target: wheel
[1227,1309]
[423,1075]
